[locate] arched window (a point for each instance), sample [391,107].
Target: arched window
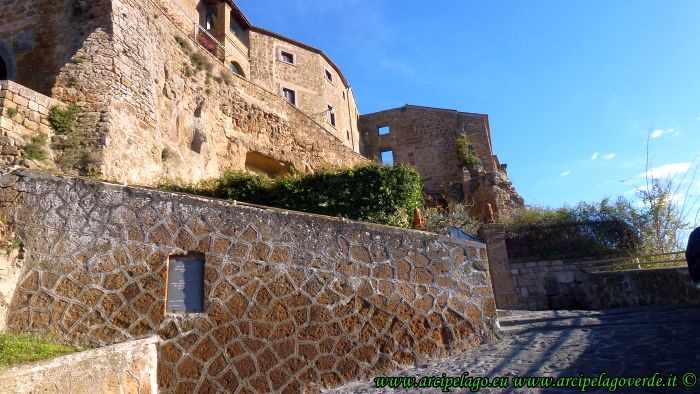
[236,69]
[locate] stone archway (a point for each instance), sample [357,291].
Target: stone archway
[8,65]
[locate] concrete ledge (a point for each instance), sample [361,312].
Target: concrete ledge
[124,367]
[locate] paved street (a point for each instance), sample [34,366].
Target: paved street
[627,342]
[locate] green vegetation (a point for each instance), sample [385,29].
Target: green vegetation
[77,59]
[372,192]
[11,112]
[36,148]
[226,78]
[16,242]
[165,154]
[63,120]
[439,220]
[201,62]
[21,348]
[71,143]
[184,44]
[465,151]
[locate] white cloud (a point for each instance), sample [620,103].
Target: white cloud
[595,156]
[659,132]
[667,170]
[609,156]
[565,173]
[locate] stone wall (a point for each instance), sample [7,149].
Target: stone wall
[128,367]
[663,286]
[23,115]
[307,77]
[205,123]
[292,300]
[424,138]
[40,36]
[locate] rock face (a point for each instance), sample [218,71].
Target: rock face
[491,188]
[291,300]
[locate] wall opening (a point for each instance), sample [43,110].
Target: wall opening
[3,70]
[236,69]
[387,157]
[383,130]
[263,164]
[185,291]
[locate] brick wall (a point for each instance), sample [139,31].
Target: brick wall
[292,300]
[128,367]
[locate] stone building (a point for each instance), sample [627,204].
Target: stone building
[425,138]
[185,89]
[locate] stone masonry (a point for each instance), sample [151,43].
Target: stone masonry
[424,138]
[129,367]
[292,301]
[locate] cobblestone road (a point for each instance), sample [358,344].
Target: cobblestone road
[629,342]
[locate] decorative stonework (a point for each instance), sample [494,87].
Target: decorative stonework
[292,300]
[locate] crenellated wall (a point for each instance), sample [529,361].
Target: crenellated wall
[291,300]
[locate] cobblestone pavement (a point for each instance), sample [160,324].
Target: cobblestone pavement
[625,342]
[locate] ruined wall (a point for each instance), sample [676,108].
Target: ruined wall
[292,300]
[128,367]
[425,139]
[205,123]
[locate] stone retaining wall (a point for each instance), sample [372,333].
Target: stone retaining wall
[23,115]
[128,367]
[292,301]
[640,287]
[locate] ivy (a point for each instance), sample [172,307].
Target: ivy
[371,192]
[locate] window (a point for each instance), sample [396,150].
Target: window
[185,284]
[331,115]
[290,95]
[287,57]
[210,14]
[329,77]
[387,157]
[383,130]
[236,68]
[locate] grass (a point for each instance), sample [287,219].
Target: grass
[22,348]
[36,148]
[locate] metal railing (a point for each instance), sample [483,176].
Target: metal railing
[657,260]
[199,34]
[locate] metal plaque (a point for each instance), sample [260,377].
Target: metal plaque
[186,284]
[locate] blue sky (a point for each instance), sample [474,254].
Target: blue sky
[572,88]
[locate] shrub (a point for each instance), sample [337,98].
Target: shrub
[587,230]
[11,112]
[165,154]
[371,192]
[200,61]
[63,120]
[36,148]
[440,220]
[465,151]
[184,44]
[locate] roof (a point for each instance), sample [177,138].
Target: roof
[242,18]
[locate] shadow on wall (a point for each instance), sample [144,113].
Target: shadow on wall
[262,164]
[45,36]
